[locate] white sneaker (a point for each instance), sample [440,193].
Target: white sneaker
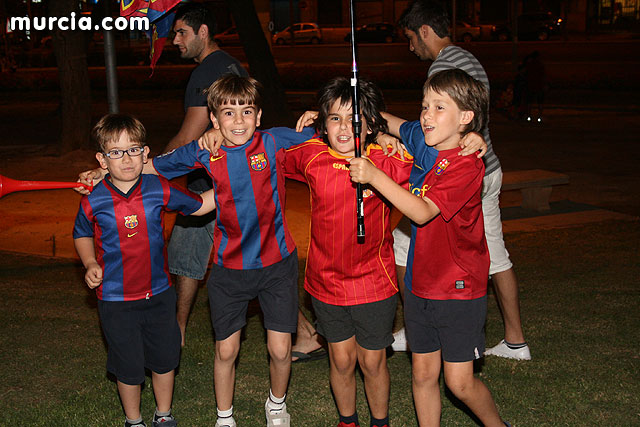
[280,418]
[502,350]
[228,422]
[400,342]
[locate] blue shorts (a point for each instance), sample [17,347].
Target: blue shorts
[275,286]
[454,326]
[141,334]
[189,248]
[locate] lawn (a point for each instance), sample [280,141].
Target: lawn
[579,293]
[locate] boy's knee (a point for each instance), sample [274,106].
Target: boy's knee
[460,386]
[344,362]
[373,364]
[279,352]
[226,351]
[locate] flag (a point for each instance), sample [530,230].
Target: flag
[160,15]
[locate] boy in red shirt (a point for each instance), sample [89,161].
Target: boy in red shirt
[353,285]
[445,306]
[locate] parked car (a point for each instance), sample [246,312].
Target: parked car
[303,32]
[467,32]
[381,32]
[533,26]
[538,26]
[228,37]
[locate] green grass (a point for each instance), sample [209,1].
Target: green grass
[580,300]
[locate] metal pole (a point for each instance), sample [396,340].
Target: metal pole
[110,65]
[356,125]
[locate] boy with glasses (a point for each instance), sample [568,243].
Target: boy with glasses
[118,236]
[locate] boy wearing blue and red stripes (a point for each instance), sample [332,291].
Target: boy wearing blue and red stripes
[254,253]
[118,236]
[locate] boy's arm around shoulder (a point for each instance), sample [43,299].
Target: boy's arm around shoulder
[208,203]
[178,162]
[419,210]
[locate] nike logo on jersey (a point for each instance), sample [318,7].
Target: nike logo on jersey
[131,235]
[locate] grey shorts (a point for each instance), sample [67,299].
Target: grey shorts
[189,249]
[371,323]
[454,326]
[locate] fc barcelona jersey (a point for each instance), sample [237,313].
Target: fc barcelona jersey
[341,271]
[448,256]
[251,229]
[127,230]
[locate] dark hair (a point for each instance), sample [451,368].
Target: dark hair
[110,127]
[426,12]
[233,89]
[195,15]
[468,93]
[371,104]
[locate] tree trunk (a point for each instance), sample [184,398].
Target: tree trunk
[275,110]
[70,49]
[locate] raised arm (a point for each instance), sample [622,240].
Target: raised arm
[419,210]
[195,122]
[393,123]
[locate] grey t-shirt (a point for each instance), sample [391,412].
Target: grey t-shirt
[456,57]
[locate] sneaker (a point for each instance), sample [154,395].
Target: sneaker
[341,424]
[502,350]
[400,341]
[166,421]
[140,424]
[228,422]
[279,418]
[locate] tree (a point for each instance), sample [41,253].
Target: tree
[70,49]
[275,110]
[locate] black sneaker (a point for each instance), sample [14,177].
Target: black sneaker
[140,424]
[165,421]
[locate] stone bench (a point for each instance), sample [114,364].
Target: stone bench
[536,186]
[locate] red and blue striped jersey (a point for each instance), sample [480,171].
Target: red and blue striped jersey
[341,271]
[251,229]
[127,230]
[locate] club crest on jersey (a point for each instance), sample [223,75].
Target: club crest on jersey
[131,221]
[258,161]
[367,193]
[441,166]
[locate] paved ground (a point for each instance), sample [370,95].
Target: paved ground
[589,136]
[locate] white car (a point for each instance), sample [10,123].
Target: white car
[303,32]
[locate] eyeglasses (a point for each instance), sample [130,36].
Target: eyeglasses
[131,151]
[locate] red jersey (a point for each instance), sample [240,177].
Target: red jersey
[341,271]
[448,256]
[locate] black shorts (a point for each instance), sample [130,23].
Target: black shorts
[276,287]
[454,326]
[371,323]
[141,334]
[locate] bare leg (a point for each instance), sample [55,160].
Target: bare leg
[130,397]
[400,272]
[163,390]
[506,287]
[187,289]
[279,347]
[307,338]
[376,380]
[470,390]
[224,370]
[342,359]
[425,376]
